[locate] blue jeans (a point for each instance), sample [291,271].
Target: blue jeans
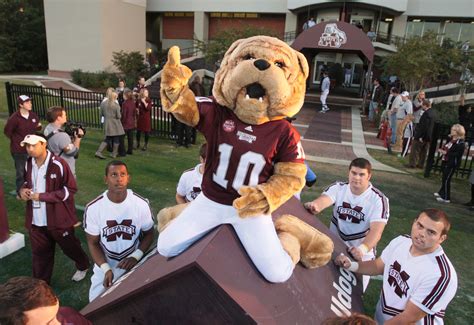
[372,107]
[393,125]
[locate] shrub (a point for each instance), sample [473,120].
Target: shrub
[446,113]
[130,64]
[95,80]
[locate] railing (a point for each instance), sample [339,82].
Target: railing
[439,139]
[82,106]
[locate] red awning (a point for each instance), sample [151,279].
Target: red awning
[335,37]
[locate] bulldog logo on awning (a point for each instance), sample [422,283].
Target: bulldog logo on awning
[332,36]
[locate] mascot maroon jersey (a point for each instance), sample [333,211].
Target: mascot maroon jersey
[239,153]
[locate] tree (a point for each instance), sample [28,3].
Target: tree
[421,60]
[130,64]
[215,49]
[23,36]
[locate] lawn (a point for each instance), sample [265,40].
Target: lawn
[156,172]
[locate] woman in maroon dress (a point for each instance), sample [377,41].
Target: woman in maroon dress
[144,106]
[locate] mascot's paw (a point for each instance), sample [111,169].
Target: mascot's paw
[166,215]
[251,202]
[316,247]
[174,78]
[291,245]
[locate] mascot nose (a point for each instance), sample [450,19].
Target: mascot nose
[261,64]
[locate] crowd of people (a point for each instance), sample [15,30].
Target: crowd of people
[407,126]
[46,182]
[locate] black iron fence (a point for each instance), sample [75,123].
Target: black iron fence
[439,139]
[82,106]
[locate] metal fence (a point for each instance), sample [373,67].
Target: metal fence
[439,139]
[83,107]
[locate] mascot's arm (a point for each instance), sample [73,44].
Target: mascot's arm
[288,179]
[176,97]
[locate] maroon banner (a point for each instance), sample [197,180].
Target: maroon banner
[3,215]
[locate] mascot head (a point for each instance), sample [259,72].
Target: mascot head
[261,79]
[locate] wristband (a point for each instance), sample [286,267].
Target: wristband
[138,254]
[353,267]
[363,248]
[105,267]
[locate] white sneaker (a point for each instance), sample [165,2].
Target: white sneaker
[440,199]
[436,194]
[79,275]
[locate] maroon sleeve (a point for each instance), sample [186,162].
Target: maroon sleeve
[207,112]
[290,148]
[68,182]
[69,316]
[38,126]
[10,126]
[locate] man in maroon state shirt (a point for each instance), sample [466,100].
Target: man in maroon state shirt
[48,190]
[21,123]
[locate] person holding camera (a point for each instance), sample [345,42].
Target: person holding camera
[60,142]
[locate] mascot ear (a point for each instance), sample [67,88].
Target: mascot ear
[303,63]
[221,74]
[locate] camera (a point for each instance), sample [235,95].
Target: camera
[72,129]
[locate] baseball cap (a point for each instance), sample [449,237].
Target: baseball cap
[405,94]
[23,98]
[32,139]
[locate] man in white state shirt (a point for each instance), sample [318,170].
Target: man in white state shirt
[360,211]
[419,280]
[189,185]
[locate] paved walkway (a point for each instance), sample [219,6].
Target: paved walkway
[46,81]
[337,137]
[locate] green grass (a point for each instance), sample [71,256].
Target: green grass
[155,174]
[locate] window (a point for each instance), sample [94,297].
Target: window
[414,28]
[467,33]
[431,26]
[452,31]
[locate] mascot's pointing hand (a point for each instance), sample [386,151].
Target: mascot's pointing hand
[175,76]
[252,202]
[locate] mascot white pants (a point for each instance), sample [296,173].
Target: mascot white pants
[257,235]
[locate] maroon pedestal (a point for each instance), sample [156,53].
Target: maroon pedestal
[4,233]
[214,282]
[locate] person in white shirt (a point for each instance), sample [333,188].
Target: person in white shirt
[360,211]
[325,85]
[119,228]
[189,185]
[419,280]
[404,115]
[395,106]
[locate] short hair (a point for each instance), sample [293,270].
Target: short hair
[361,163]
[376,79]
[353,319]
[127,92]
[460,131]
[395,90]
[54,112]
[438,216]
[122,80]
[21,294]
[114,163]
[426,102]
[203,150]
[140,77]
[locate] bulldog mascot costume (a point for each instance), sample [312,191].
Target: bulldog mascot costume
[255,161]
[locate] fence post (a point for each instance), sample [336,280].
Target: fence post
[61,94]
[8,88]
[432,150]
